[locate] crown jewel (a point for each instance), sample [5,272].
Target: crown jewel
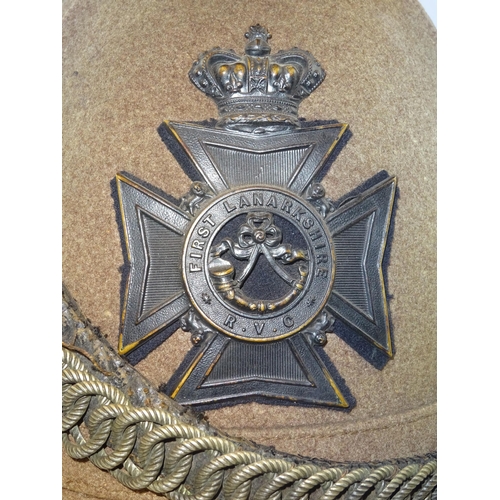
[257,90]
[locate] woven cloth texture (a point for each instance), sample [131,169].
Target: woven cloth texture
[125,70]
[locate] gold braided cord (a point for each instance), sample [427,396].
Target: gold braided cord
[271,489]
[157,448]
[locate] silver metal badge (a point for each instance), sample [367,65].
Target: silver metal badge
[255,261]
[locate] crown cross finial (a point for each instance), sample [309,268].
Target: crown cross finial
[257,91]
[257,41]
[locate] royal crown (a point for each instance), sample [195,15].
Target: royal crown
[257,89]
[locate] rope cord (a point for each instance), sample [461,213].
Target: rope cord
[152,447]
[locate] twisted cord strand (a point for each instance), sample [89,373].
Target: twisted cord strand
[99,434]
[72,412]
[148,447]
[239,482]
[416,480]
[344,482]
[152,453]
[209,479]
[227,461]
[179,462]
[151,450]
[70,359]
[397,481]
[123,445]
[427,488]
[374,478]
[267,491]
[322,477]
[124,436]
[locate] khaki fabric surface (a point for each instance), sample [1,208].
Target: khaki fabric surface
[125,70]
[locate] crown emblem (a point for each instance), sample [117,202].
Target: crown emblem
[257,90]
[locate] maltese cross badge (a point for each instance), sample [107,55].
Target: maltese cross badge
[255,262]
